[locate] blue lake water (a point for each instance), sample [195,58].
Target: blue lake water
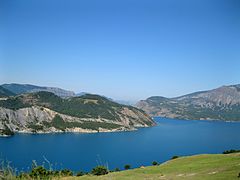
[84,151]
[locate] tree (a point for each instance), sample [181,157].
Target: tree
[127,166]
[154,163]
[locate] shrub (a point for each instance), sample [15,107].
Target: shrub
[23,176]
[231,151]
[66,172]
[154,163]
[116,169]
[127,166]
[99,170]
[39,172]
[80,173]
[175,157]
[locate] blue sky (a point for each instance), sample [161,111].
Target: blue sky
[124,49]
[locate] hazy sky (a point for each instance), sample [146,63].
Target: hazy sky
[124,49]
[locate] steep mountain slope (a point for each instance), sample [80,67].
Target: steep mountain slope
[46,112]
[5,92]
[218,104]
[28,88]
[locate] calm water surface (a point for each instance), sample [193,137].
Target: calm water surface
[84,151]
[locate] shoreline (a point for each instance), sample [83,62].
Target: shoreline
[210,120]
[87,131]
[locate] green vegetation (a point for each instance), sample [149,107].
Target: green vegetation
[200,105]
[66,172]
[231,151]
[80,173]
[96,125]
[35,127]
[187,110]
[116,169]
[154,163]
[5,92]
[14,103]
[60,124]
[42,173]
[127,166]
[89,106]
[6,131]
[175,157]
[20,88]
[214,166]
[39,172]
[207,167]
[99,170]
[86,106]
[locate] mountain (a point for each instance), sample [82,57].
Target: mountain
[5,92]
[28,88]
[222,103]
[43,112]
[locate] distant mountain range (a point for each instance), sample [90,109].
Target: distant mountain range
[28,88]
[34,109]
[222,103]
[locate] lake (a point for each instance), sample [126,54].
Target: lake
[85,151]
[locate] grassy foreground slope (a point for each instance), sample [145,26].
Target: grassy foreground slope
[215,166]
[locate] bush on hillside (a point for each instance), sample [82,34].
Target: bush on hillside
[231,151]
[66,172]
[39,172]
[80,173]
[99,170]
[116,169]
[175,157]
[127,166]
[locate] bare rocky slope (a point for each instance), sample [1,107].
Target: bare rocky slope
[222,103]
[45,112]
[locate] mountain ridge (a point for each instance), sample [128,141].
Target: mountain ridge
[45,112]
[221,103]
[29,88]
